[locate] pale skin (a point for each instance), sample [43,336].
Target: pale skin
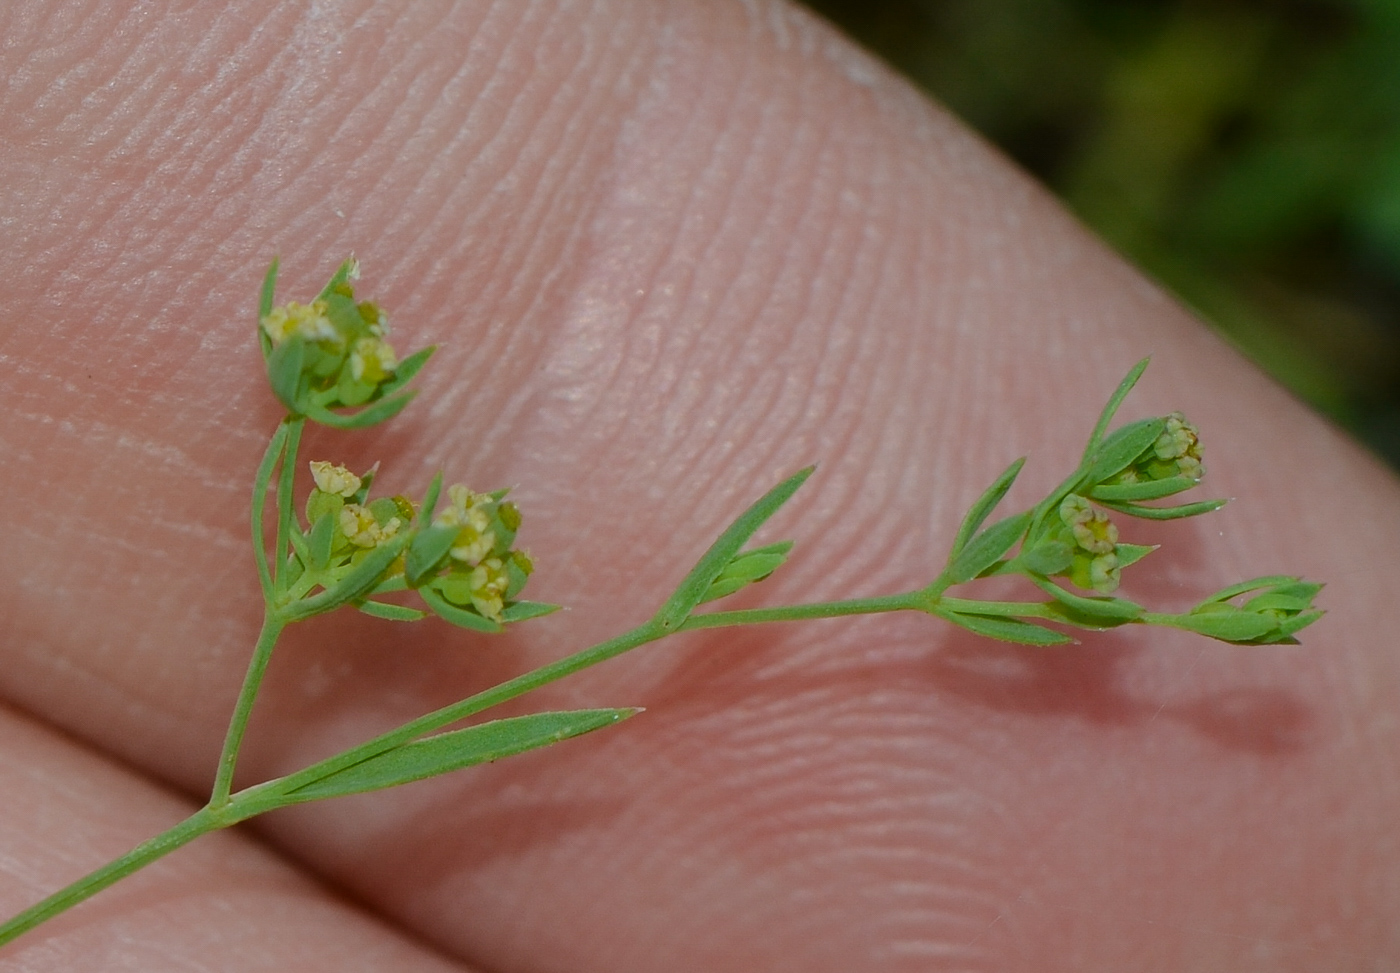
[671,252]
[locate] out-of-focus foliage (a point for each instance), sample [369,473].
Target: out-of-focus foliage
[1245,152]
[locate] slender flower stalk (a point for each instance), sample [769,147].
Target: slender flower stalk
[329,362]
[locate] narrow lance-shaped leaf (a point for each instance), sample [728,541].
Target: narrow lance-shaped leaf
[427,550]
[1120,449]
[1111,409]
[356,584]
[284,373]
[341,275]
[1253,584]
[748,567]
[446,752]
[988,547]
[319,542]
[679,606]
[460,617]
[1005,629]
[1114,610]
[1227,626]
[395,613]
[406,369]
[985,504]
[1164,513]
[1145,490]
[521,610]
[265,299]
[430,500]
[371,415]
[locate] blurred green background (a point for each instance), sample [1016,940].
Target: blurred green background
[1245,152]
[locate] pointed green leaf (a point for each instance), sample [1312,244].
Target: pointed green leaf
[265,299]
[1109,410]
[1289,598]
[370,415]
[679,606]
[318,542]
[1047,557]
[460,617]
[1124,446]
[430,500]
[1116,610]
[1145,490]
[395,582]
[396,613]
[521,610]
[427,551]
[354,585]
[406,369]
[984,506]
[1132,553]
[1164,513]
[1227,626]
[341,276]
[1005,629]
[446,752]
[1300,621]
[1253,584]
[284,367]
[988,547]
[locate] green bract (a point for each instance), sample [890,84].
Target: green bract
[349,549]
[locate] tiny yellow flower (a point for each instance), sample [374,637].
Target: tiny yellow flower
[1104,573]
[334,479]
[489,582]
[371,360]
[308,321]
[361,529]
[1180,441]
[467,510]
[1092,529]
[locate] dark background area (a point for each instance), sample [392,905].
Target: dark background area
[1244,152]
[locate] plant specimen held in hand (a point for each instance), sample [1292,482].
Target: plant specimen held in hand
[330,362]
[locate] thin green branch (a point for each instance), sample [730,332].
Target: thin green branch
[201,822]
[238,724]
[650,632]
[913,600]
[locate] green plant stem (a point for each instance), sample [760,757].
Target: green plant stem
[272,627]
[650,632]
[911,600]
[201,822]
[274,792]
[286,479]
